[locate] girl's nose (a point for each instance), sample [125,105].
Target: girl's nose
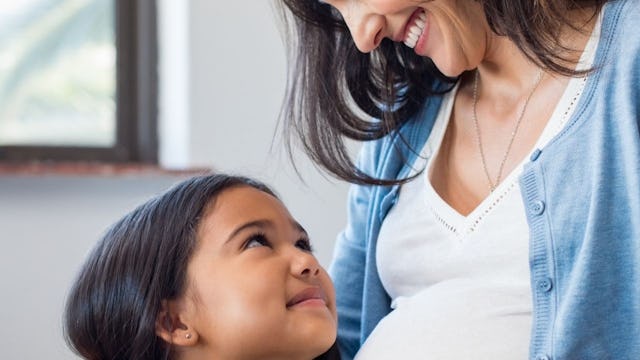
[304,265]
[367,28]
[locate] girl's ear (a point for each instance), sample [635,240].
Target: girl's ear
[171,328]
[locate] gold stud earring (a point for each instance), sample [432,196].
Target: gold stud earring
[188,336]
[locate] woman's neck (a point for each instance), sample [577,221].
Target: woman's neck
[510,72]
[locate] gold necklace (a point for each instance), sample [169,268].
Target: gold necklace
[492,184]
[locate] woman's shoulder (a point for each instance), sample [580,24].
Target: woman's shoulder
[622,16]
[619,48]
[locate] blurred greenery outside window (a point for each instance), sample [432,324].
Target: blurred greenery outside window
[70,86]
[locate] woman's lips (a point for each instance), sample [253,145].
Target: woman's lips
[415,28]
[309,296]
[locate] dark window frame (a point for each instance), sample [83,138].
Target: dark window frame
[136,96]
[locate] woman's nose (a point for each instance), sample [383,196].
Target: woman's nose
[367,28]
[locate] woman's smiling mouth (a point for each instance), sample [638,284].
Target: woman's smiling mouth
[415,28]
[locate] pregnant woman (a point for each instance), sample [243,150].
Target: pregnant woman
[495,206]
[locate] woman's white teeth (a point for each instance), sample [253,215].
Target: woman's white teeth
[415,30]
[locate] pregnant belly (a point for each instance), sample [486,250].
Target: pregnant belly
[455,320]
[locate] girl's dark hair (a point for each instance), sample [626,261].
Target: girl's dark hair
[328,75]
[142,259]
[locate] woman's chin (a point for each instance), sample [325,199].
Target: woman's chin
[449,67]
[449,70]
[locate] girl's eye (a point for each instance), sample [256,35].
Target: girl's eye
[256,241]
[304,245]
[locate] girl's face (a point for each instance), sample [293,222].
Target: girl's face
[255,289]
[453,33]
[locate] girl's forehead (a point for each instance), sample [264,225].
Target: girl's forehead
[241,197]
[241,205]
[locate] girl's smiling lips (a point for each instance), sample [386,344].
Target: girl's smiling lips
[309,296]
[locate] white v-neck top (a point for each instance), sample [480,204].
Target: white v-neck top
[460,285]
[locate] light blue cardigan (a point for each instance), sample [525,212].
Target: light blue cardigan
[582,195]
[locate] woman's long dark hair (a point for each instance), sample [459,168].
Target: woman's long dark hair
[335,92]
[142,259]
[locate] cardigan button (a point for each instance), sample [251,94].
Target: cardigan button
[537,207]
[544,285]
[536,153]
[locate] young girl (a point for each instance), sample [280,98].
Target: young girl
[215,268]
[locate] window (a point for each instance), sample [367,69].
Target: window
[78,80]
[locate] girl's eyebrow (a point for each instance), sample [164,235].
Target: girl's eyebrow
[298,226]
[261,223]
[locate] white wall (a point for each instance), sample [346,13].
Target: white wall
[48,225]
[226,86]
[237,77]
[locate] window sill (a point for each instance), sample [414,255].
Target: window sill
[92,169]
